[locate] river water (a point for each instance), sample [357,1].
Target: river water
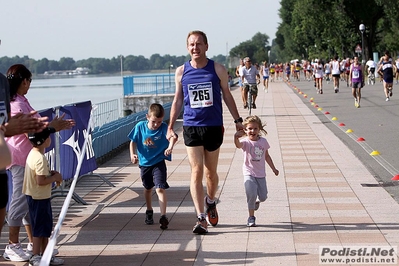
[50,92]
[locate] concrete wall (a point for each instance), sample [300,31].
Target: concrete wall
[135,104]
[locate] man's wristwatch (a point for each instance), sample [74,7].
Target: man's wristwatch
[238,120]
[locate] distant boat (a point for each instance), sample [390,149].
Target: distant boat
[77,71]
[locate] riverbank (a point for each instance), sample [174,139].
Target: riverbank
[111,74]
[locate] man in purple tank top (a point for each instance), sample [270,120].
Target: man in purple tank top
[356,80]
[200,86]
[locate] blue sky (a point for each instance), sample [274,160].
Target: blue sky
[101,28]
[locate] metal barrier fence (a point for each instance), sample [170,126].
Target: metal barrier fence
[149,84]
[106,112]
[112,135]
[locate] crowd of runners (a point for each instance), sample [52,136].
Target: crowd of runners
[348,71]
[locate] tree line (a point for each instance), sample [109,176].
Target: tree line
[256,48]
[96,65]
[322,29]
[130,63]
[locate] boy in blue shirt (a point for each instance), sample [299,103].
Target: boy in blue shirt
[149,147]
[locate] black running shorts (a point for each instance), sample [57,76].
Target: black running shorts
[209,137]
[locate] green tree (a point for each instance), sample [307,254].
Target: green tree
[256,48]
[67,63]
[42,65]
[311,28]
[53,65]
[157,61]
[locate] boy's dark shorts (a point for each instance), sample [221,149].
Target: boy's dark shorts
[154,176]
[209,137]
[41,216]
[3,190]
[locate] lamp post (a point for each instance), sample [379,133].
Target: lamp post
[362,28]
[170,66]
[121,56]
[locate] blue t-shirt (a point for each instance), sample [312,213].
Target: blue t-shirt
[202,96]
[151,144]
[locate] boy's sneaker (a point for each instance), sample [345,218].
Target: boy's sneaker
[149,217]
[200,227]
[211,213]
[163,221]
[29,250]
[257,204]
[35,260]
[56,261]
[14,252]
[251,221]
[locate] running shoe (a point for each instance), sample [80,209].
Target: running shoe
[163,222]
[251,221]
[29,250]
[356,103]
[149,217]
[257,204]
[14,252]
[336,90]
[35,260]
[211,213]
[387,99]
[253,106]
[390,93]
[200,227]
[56,261]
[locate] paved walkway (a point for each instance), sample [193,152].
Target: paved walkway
[317,200]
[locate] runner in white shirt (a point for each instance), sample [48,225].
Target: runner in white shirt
[370,65]
[318,76]
[327,71]
[239,75]
[265,72]
[336,72]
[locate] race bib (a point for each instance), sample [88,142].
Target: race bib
[355,74]
[201,94]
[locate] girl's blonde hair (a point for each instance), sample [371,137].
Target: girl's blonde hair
[255,119]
